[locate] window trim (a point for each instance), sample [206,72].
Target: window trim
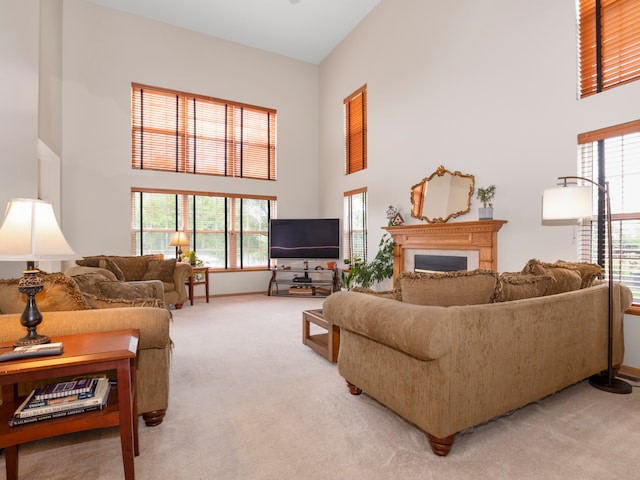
[356,126]
[229,150]
[599,136]
[272,207]
[348,224]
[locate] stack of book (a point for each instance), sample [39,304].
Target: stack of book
[61,399]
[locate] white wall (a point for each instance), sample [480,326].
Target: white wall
[103,52]
[485,87]
[19,36]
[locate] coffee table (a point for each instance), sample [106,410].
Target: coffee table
[83,354]
[326,344]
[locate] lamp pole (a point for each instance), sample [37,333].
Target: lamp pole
[606,381]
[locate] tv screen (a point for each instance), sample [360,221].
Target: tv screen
[304,238]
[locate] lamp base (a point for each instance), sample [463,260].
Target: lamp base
[29,340]
[601,382]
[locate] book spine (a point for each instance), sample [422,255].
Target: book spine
[102,393]
[57,390]
[55,401]
[15,421]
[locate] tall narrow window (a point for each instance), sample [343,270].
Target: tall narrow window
[613,155]
[226,231]
[355,224]
[609,32]
[355,115]
[183,132]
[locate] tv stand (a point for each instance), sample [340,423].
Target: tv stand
[312,283]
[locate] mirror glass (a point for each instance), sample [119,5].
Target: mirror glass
[442,196]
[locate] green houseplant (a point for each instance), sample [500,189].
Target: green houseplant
[365,274]
[486,196]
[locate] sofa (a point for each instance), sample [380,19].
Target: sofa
[65,311]
[136,270]
[450,351]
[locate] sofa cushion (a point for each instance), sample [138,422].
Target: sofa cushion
[447,289]
[516,286]
[564,279]
[97,302]
[60,293]
[588,271]
[134,267]
[161,270]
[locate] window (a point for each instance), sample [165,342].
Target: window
[355,224]
[613,155]
[609,44]
[355,115]
[182,132]
[226,231]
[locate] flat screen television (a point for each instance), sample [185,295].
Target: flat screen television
[304,238]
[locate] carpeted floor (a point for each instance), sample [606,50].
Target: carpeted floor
[249,401]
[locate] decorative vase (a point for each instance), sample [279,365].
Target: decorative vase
[485,213]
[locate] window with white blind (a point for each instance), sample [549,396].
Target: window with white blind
[355,124]
[613,155]
[609,44]
[183,132]
[227,232]
[355,224]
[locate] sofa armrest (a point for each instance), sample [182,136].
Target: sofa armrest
[420,331]
[180,274]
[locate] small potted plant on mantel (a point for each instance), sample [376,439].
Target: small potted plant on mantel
[486,195]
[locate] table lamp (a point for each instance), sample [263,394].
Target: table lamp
[571,203]
[30,233]
[179,240]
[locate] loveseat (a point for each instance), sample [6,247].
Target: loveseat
[450,351]
[136,270]
[65,311]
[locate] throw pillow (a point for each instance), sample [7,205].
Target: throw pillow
[516,286]
[134,267]
[588,271]
[565,279]
[160,270]
[448,289]
[60,293]
[108,264]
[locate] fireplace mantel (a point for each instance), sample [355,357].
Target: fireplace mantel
[481,236]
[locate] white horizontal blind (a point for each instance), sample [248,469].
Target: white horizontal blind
[183,132]
[617,149]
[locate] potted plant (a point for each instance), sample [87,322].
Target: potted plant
[486,195]
[366,274]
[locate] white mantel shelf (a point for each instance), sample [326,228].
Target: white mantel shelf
[481,236]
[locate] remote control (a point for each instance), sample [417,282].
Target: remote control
[32,351]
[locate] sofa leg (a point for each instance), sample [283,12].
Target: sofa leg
[153,418]
[441,446]
[353,389]
[179,306]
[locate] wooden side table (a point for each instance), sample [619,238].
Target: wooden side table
[191,281]
[83,354]
[326,344]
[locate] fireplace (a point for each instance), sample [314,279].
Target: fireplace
[439,263]
[477,241]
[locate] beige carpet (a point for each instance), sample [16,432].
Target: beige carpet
[249,401]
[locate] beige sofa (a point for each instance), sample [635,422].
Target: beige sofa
[136,270]
[66,312]
[448,368]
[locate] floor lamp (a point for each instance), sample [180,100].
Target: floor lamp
[571,203]
[30,233]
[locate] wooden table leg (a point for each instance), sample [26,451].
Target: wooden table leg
[11,462]
[125,401]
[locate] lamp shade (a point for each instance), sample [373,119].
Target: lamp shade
[566,203]
[179,239]
[30,232]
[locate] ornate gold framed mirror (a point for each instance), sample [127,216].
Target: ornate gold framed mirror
[442,195]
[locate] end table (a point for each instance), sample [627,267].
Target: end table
[192,281]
